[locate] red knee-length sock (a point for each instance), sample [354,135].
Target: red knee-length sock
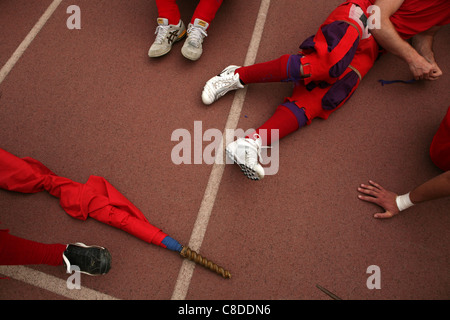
[19,251]
[282,120]
[270,71]
[206,10]
[168,9]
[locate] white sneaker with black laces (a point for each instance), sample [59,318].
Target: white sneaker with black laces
[166,35]
[219,85]
[245,153]
[192,48]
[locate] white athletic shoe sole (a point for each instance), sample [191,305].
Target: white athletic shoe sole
[253,172]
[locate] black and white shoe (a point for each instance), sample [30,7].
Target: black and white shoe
[91,260]
[166,35]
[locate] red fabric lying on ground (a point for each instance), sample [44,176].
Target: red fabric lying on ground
[97,198]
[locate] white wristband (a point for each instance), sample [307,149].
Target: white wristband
[404,202]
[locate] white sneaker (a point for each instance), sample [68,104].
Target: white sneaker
[192,48]
[166,35]
[217,86]
[245,152]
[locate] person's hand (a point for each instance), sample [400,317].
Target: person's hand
[422,69]
[436,72]
[377,194]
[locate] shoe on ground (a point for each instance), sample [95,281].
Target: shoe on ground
[245,153]
[92,260]
[192,48]
[166,35]
[219,85]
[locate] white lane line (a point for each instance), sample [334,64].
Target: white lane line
[22,273]
[51,283]
[28,39]
[204,213]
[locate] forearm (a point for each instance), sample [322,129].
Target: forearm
[421,64]
[438,187]
[388,38]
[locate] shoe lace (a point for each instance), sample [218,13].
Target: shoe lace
[252,155]
[196,36]
[161,32]
[225,80]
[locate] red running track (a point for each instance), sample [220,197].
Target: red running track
[90,102]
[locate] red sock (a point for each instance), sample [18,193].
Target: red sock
[270,71]
[19,251]
[282,120]
[168,9]
[206,10]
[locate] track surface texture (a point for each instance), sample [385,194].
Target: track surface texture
[91,102]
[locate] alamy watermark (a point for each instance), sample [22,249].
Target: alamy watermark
[206,147]
[74,281]
[74,20]
[373,16]
[374,280]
